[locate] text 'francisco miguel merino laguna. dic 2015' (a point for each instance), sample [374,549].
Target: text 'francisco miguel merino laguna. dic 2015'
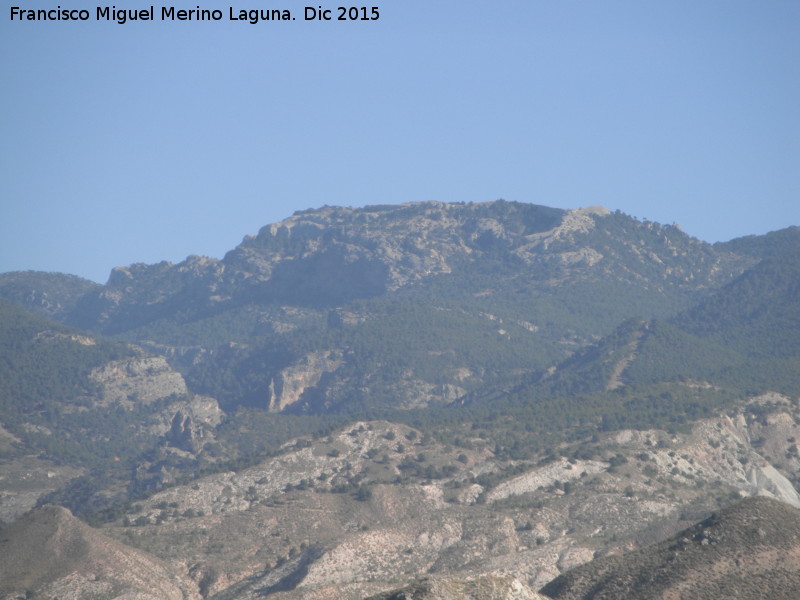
[170,13]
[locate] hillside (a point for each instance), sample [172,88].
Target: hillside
[742,337]
[376,504]
[51,554]
[74,404]
[758,306]
[487,588]
[749,550]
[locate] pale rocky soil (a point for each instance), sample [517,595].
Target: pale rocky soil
[277,528]
[561,470]
[292,527]
[483,588]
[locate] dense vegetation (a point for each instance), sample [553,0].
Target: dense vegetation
[47,399]
[44,367]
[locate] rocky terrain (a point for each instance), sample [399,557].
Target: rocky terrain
[345,515]
[484,588]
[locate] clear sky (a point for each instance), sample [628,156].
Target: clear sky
[151,141]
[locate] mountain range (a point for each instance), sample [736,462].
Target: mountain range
[547,386]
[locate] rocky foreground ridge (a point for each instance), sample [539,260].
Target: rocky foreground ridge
[282,530]
[375,504]
[51,554]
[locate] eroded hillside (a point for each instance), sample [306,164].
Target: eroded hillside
[377,503]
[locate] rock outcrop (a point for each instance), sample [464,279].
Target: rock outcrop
[288,386]
[138,380]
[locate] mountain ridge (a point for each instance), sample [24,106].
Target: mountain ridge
[536,283]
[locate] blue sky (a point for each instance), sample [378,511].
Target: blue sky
[152,141]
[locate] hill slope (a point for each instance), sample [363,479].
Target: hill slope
[74,403]
[50,553]
[486,588]
[749,550]
[743,337]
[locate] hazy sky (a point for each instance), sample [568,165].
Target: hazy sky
[155,140]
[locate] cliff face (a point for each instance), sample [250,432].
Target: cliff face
[287,387]
[143,379]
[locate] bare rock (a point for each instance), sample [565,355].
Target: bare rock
[141,379]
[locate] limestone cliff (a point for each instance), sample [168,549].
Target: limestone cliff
[287,387]
[141,379]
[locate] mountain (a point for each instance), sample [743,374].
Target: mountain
[460,396]
[749,550]
[329,257]
[343,310]
[458,315]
